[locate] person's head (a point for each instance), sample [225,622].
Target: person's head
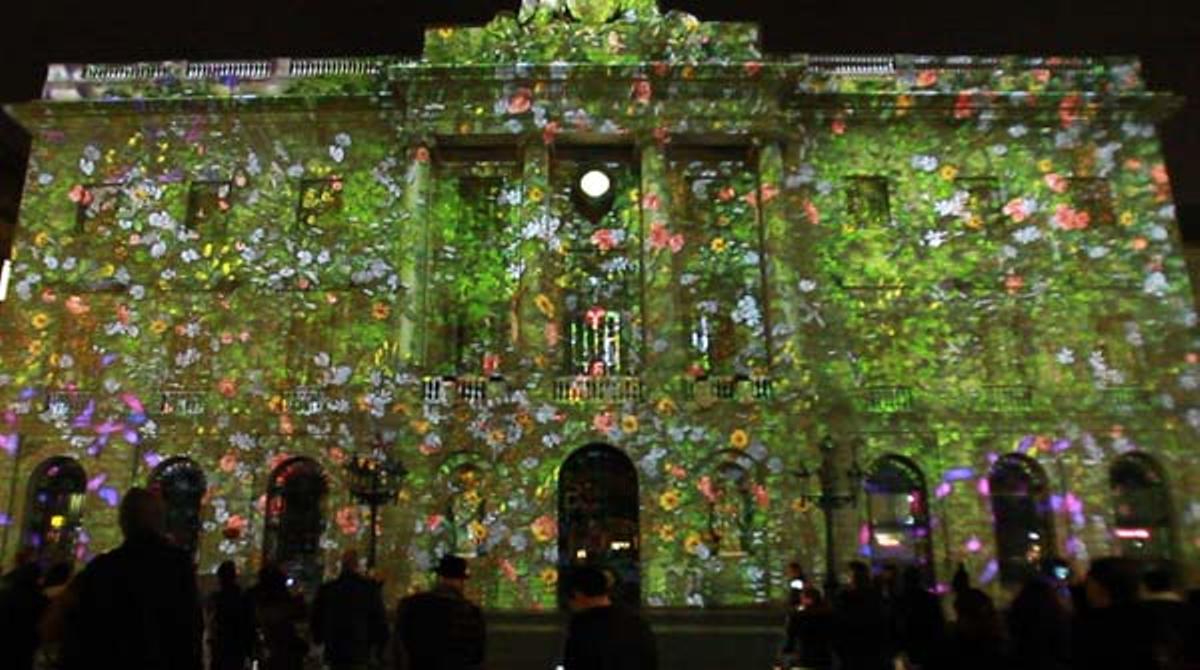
[141,513]
[58,574]
[349,561]
[452,571]
[1037,601]
[860,575]
[587,587]
[811,598]
[1112,582]
[912,580]
[976,614]
[1158,580]
[794,571]
[227,575]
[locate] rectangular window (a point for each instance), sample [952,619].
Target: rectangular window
[474,263]
[1091,197]
[208,202]
[867,201]
[720,263]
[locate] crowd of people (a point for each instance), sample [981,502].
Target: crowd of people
[1119,615]
[138,606]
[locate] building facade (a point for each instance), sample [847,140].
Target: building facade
[615,288]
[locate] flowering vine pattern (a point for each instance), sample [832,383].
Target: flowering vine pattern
[286,273]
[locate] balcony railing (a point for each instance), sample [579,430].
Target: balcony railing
[479,391]
[1123,398]
[744,389]
[306,400]
[184,403]
[1005,399]
[584,388]
[63,404]
[885,399]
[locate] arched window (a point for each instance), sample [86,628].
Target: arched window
[898,515]
[1141,507]
[180,482]
[1020,496]
[54,509]
[728,489]
[295,519]
[466,506]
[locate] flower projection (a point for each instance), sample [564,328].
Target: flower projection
[945,261]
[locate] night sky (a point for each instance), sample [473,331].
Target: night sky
[1164,34]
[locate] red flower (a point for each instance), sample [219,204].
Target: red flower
[80,195]
[227,387]
[651,202]
[926,78]
[811,211]
[726,194]
[962,105]
[520,101]
[760,496]
[604,239]
[753,68]
[1071,219]
[234,526]
[421,154]
[1015,209]
[433,522]
[676,243]
[347,520]
[1014,283]
[1068,110]
[491,363]
[594,316]
[642,91]
[550,132]
[838,126]
[1056,182]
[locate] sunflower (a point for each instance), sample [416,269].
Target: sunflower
[40,320]
[629,423]
[666,406]
[536,194]
[669,500]
[1045,165]
[479,532]
[739,439]
[549,576]
[666,532]
[948,172]
[158,326]
[380,311]
[718,244]
[692,542]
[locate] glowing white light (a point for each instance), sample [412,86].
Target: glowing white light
[1133,533]
[5,275]
[594,184]
[887,540]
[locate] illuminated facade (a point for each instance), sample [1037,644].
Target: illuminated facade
[607,280]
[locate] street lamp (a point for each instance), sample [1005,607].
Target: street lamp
[828,499]
[375,480]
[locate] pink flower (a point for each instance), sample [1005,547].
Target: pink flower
[726,194]
[769,191]
[676,243]
[347,520]
[660,237]
[594,316]
[642,91]
[491,363]
[604,239]
[1068,110]
[602,422]
[510,572]
[544,528]
[1056,182]
[1070,219]
[838,126]
[962,105]
[80,195]
[234,526]
[520,101]
[1041,75]
[1014,283]
[926,78]
[760,496]
[705,486]
[1015,210]
[433,522]
[76,306]
[651,202]
[421,154]
[811,211]
[227,387]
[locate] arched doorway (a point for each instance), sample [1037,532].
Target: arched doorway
[1021,512]
[54,509]
[598,518]
[1141,508]
[295,519]
[898,515]
[181,484]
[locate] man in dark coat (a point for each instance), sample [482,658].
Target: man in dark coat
[602,636]
[21,606]
[348,618]
[860,626]
[440,629]
[137,605]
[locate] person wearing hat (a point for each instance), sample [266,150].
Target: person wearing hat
[440,629]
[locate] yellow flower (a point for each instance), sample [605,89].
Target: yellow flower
[975,222]
[666,532]
[34,348]
[948,172]
[692,542]
[801,505]
[158,326]
[471,497]
[718,244]
[629,423]
[739,439]
[496,436]
[549,576]
[420,426]
[536,194]
[479,532]
[666,406]
[669,500]
[445,33]
[1126,218]
[544,305]
[1045,165]
[41,239]
[40,320]
[380,311]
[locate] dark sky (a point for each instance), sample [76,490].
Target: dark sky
[1166,36]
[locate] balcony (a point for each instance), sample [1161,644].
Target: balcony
[306,401]
[64,404]
[884,399]
[737,388]
[184,403]
[1005,399]
[471,390]
[583,388]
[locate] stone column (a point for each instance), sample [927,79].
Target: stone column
[662,362]
[413,255]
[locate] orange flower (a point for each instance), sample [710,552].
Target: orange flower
[227,387]
[739,438]
[380,311]
[76,306]
[347,520]
[228,462]
[544,528]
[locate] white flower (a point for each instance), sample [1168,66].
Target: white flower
[1155,284]
[1097,252]
[342,139]
[954,206]
[923,162]
[807,286]
[189,256]
[1065,356]
[338,154]
[1027,234]
[934,238]
[1017,130]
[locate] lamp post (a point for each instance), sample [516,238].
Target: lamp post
[829,500]
[375,480]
